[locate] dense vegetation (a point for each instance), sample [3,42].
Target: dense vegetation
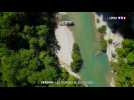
[103,43]
[124,68]
[102,29]
[27,50]
[77,59]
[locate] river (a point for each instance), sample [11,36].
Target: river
[95,69]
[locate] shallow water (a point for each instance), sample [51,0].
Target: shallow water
[95,68]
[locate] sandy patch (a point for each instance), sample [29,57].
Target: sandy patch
[65,40]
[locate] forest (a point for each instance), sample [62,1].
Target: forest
[27,50]
[124,68]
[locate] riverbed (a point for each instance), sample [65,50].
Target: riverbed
[95,69]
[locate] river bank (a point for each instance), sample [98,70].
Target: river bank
[95,67]
[65,40]
[111,47]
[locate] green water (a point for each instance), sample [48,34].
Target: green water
[95,68]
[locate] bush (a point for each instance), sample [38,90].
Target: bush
[102,29]
[110,41]
[103,44]
[98,20]
[77,59]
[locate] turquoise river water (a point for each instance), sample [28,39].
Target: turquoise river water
[95,68]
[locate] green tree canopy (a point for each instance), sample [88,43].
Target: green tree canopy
[77,59]
[102,29]
[42,30]
[27,50]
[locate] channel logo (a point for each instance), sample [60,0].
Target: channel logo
[117,18]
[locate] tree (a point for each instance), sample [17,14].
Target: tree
[77,59]
[42,55]
[33,79]
[103,45]
[42,30]
[102,29]
[22,76]
[49,61]
[121,52]
[98,21]
[128,44]
[8,19]
[4,33]
[110,41]
[130,58]
[9,69]
[28,31]
[16,28]
[125,78]
[64,74]
[42,43]
[33,42]
[4,52]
